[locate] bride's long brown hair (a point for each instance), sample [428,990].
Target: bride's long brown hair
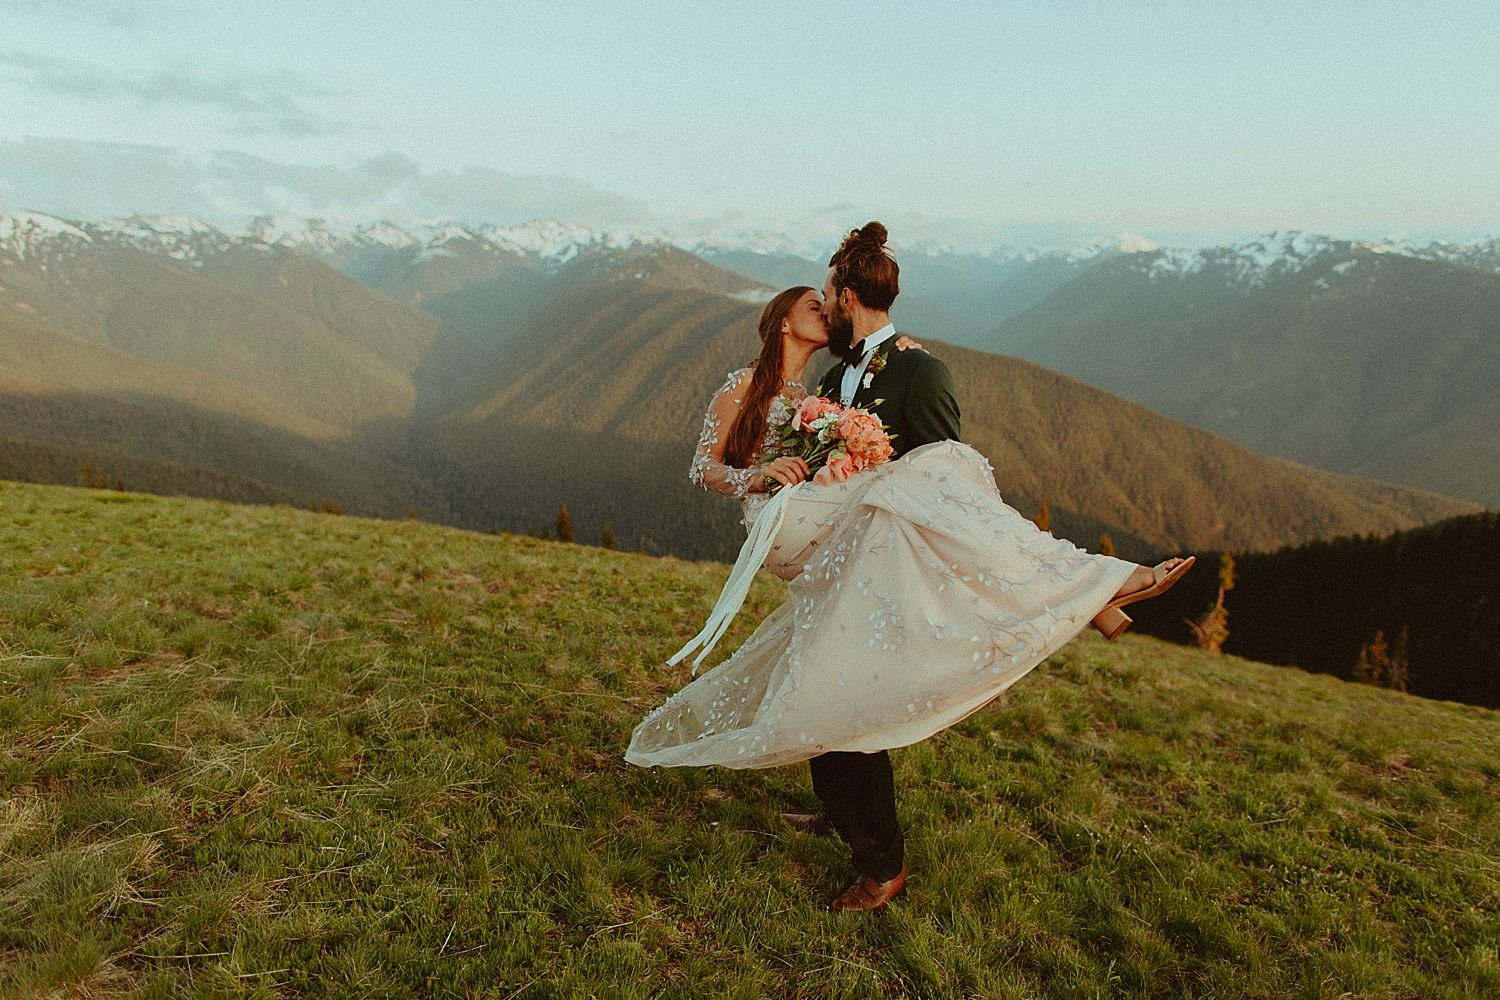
[765,384]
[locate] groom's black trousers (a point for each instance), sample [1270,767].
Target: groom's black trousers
[858,792]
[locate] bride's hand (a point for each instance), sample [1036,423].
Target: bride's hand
[905,343]
[788,470]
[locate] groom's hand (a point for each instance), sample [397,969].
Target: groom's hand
[788,470]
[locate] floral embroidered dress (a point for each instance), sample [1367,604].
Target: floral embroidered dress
[915,596]
[708,469]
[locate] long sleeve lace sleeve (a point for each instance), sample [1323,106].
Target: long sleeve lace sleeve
[708,469]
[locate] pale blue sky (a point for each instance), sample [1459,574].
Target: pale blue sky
[985,120]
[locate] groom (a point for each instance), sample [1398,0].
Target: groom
[912,394]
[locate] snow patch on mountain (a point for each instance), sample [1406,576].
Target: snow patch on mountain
[322,238]
[181,237]
[771,240]
[758,295]
[1484,254]
[547,238]
[1250,263]
[28,232]
[1131,243]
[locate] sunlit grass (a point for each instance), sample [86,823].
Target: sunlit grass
[262,752]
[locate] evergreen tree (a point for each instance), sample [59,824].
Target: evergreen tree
[1043,518]
[607,536]
[1106,545]
[564,525]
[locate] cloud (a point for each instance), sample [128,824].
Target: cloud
[253,103]
[78,179]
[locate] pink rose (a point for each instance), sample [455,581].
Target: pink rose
[810,409]
[839,468]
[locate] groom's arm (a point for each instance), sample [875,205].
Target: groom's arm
[931,409]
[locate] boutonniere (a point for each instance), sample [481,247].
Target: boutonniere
[875,367]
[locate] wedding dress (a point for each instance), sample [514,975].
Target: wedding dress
[915,596]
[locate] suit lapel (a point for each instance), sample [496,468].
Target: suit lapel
[828,385]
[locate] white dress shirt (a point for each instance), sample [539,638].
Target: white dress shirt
[850,385]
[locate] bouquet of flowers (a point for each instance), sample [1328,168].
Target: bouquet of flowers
[836,441]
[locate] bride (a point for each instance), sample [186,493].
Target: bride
[916,595]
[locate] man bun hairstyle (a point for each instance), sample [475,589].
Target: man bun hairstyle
[863,265]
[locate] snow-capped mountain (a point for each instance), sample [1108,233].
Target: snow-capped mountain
[1484,254]
[187,238]
[1248,264]
[1254,263]
[545,239]
[1251,262]
[30,234]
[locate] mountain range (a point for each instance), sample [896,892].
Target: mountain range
[1348,356]
[484,376]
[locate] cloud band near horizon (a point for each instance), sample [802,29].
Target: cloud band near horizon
[82,179]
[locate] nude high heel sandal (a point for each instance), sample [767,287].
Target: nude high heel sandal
[1111,622]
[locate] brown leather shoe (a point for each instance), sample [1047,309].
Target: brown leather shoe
[868,894]
[817,824]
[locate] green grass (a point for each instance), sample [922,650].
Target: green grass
[261,752]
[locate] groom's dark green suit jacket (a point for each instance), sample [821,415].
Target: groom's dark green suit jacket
[917,400]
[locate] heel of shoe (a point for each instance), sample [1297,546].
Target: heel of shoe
[1111,622]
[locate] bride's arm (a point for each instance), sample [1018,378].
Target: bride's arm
[708,469]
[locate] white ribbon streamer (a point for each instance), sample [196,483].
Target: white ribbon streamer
[752,556]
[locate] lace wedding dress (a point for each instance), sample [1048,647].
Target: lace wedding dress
[915,596]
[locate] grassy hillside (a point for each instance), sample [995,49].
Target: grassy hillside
[39,360]
[257,752]
[26,460]
[161,446]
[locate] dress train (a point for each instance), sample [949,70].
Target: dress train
[915,596]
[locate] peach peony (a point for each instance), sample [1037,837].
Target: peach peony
[864,438]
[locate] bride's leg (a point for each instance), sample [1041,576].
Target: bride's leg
[1139,579]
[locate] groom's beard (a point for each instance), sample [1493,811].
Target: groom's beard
[841,335]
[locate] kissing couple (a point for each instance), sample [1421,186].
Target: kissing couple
[915,594]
